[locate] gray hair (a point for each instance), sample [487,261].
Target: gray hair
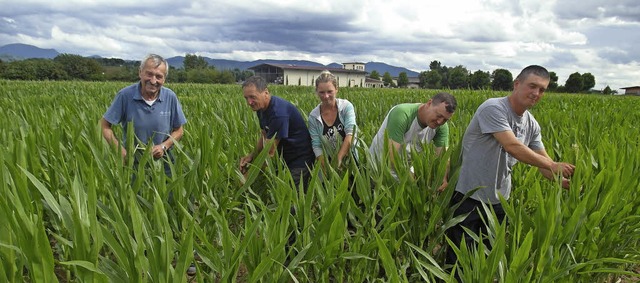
[447,98]
[533,70]
[259,82]
[157,61]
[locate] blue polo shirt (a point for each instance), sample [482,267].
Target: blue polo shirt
[151,122]
[283,120]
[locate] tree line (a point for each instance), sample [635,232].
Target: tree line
[196,70]
[458,77]
[76,67]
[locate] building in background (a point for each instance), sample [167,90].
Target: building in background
[351,75]
[633,90]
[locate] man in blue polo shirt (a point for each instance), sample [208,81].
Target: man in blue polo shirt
[154,110]
[280,120]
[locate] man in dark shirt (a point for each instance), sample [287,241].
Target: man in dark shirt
[279,120]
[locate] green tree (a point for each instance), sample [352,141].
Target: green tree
[20,70]
[374,75]
[606,90]
[403,79]
[445,73]
[430,79]
[226,77]
[501,79]
[458,77]
[192,62]
[588,82]
[480,80]
[574,83]
[435,65]
[387,79]
[242,75]
[178,76]
[553,81]
[78,67]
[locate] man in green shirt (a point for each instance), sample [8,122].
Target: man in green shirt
[410,125]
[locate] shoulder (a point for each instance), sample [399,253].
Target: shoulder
[493,105]
[130,90]
[315,113]
[404,111]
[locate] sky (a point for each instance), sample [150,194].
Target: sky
[565,36]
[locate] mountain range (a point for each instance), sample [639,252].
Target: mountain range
[18,51]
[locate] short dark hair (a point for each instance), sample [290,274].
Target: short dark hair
[259,82]
[447,98]
[533,70]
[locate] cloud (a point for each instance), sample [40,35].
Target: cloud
[567,36]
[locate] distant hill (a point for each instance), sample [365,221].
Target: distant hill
[19,51]
[25,51]
[222,64]
[393,70]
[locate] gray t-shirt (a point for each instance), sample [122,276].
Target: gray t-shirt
[485,163]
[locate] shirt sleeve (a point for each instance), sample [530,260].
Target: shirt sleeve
[441,138]
[315,130]
[349,115]
[115,113]
[398,124]
[536,136]
[492,119]
[178,116]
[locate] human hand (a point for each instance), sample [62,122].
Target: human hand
[123,153]
[566,183]
[443,186]
[563,168]
[244,162]
[158,150]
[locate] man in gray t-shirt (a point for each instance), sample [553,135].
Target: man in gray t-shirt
[501,133]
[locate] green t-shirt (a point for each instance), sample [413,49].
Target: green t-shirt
[401,125]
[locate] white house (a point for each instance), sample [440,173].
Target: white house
[352,75]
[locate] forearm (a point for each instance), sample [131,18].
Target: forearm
[107,132]
[528,156]
[394,148]
[345,147]
[175,136]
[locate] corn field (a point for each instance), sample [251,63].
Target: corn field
[71,212]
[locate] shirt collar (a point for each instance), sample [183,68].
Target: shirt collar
[138,95]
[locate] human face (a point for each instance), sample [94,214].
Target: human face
[529,91]
[326,92]
[255,99]
[152,78]
[433,115]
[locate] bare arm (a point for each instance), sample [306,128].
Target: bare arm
[445,181]
[524,154]
[548,174]
[394,147]
[110,137]
[344,149]
[160,149]
[244,161]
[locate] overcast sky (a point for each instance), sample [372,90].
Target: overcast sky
[566,36]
